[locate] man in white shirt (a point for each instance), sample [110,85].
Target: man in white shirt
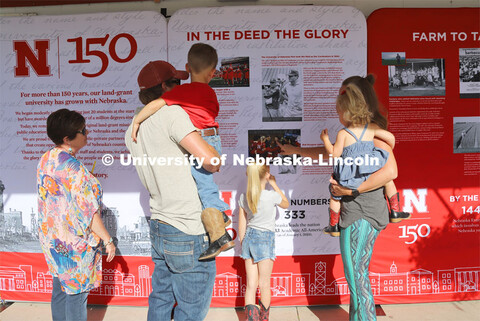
[176,230]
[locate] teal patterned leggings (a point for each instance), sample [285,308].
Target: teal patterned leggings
[356,245]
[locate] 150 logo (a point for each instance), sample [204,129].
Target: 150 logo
[37,57]
[418,200]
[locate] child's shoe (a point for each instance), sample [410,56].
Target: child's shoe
[264,312]
[252,312]
[220,240]
[333,228]
[396,215]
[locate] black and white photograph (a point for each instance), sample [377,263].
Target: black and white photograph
[469,64]
[393,58]
[418,77]
[282,94]
[466,135]
[19,230]
[264,144]
[233,72]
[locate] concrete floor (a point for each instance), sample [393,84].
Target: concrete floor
[443,311]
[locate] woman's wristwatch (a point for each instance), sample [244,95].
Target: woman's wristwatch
[355,193]
[110,241]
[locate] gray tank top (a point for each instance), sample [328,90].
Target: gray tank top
[371,206]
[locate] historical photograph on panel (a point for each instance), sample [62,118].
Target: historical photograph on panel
[19,230]
[282,94]
[469,62]
[233,72]
[14,235]
[466,135]
[418,77]
[393,58]
[264,144]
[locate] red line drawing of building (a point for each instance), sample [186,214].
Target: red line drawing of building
[17,279]
[116,283]
[420,282]
[12,279]
[467,279]
[459,280]
[144,280]
[394,283]
[301,284]
[341,287]
[446,280]
[319,287]
[43,283]
[228,285]
[282,284]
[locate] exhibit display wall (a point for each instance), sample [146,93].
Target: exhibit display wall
[427,81]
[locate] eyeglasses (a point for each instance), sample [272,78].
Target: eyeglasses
[83,131]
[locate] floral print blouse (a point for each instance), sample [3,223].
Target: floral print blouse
[68,197]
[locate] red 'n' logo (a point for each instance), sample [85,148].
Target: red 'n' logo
[38,61]
[226,196]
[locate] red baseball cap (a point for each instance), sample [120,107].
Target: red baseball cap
[156,72]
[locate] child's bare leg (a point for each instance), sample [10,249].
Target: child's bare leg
[264,273]
[390,189]
[252,310]
[396,215]
[252,281]
[335,205]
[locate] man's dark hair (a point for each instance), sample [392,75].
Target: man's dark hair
[64,122]
[149,94]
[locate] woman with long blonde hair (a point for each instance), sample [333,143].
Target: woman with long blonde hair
[257,235]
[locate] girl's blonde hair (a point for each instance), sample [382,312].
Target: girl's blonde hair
[255,173]
[353,105]
[366,86]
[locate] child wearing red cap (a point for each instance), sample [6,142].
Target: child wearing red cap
[200,102]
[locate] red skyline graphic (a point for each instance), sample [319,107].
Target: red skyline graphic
[283,284]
